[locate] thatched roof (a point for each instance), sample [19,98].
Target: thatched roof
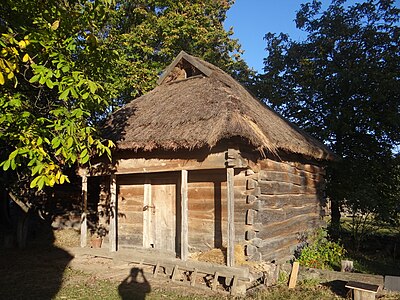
[197,105]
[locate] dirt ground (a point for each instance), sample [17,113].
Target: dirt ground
[48,265]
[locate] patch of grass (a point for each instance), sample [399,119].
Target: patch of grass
[304,291]
[79,285]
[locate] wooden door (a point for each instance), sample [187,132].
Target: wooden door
[160,215]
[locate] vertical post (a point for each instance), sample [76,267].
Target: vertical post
[230,172]
[84,211]
[113,213]
[184,215]
[147,232]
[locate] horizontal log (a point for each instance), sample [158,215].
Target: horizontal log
[268,215]
[274,244]
[308,167]
[250,199]
[291,226]
[280,188]
[269,164]
[278,256]
[251,216]
[281,201]
[147,165]
[251,184]
[282,177]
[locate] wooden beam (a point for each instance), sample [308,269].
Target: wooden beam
[184,215]
[84,211]
[113,213]
[147,239]
[293,275]
[230,172]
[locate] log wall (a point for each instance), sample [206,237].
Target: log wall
[286,202]
[275,203]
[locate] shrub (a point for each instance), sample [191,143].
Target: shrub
[320,252]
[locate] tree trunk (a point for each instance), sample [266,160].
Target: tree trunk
[335,216]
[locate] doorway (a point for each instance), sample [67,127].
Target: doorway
[161,218]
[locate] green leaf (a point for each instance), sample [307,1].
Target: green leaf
[85,159]
[92,87]
[64,95]
[55,142]
[49,83]
[6,165]
[55,25]
[13,154]
[41,182]
[34,182]
[70,141]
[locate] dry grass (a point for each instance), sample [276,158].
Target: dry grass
[201,111]
[67,237]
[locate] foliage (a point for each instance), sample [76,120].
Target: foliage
[49,89]
[149,34]
[341,85]
[64,65]
[320,252]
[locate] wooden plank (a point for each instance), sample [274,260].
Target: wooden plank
[293,275]
[113,213]
[184,216]
[164,214]
[156,268]
[215,281]
[230,172]
[270,216]
[147,228]
[84,211]
[148,165]
[362,286]
[193,277]
[83,230]
[234,285]
[175,273]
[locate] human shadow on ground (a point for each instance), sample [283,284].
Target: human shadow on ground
[135,286]
[36,271]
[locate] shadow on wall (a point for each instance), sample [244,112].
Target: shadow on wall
[35,272]
[135,286]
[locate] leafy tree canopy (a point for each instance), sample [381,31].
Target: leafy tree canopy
[342,85]
[65,64]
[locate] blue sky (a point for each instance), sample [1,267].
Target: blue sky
[252,19]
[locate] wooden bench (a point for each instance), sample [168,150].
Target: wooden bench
[362,291]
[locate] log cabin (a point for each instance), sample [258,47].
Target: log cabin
[200,163]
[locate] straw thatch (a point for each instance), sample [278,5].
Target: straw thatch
[202,110]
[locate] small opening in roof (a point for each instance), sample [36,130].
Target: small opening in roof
[182,70]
